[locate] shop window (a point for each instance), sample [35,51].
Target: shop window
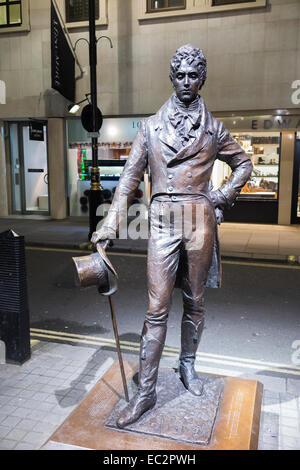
[10,13]
[216,3]
[149,10]
[157,5]
[78,10]
[264,151]
[75,13]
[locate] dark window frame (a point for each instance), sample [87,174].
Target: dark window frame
[221,3]
[8,4]
[155,10]
[77,20]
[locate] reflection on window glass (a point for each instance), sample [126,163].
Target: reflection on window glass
[78,10]
[229,2]
[15,14]
[10,13]
[165,4]
[3,16]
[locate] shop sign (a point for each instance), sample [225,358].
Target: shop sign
[62,59]
[36,131]
[257,123]
[276,123]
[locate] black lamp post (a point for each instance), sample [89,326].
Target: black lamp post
[91,118]
[95,194]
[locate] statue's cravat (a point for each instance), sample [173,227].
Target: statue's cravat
[185,119]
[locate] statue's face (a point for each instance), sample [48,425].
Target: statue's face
[186,82]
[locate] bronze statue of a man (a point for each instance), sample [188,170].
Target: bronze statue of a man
[179,144]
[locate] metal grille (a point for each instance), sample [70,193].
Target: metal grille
[14,312]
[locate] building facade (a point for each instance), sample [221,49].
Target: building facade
[253,85]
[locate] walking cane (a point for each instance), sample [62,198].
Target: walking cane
[89,272]
[114,322]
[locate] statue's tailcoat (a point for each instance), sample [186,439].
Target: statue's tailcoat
[178,169]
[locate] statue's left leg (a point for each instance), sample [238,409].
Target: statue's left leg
[190,337]
[196,259]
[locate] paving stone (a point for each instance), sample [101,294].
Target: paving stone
[36,438]
[7,444]
[289,412]
[40,379]
[51,399]
[54,418]
[42,396]
[290,443]
[289,432]
[25,394]
[21,412]
[4,400]
[24,446]
[11,421]
[44,427]
[39,415]
[16,434]
[34,387]
[27,424]
[288,421]
[10,391]
[4,430]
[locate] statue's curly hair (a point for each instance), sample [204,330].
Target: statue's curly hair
[193,55]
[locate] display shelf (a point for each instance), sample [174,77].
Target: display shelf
[266,164]
[264,176]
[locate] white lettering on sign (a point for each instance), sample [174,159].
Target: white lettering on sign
[234,413]
[2,92]
[296,354]
[296,94]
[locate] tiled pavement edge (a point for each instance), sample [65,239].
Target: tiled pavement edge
[37,397]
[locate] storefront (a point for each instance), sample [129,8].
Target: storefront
[116,137]
[262,137]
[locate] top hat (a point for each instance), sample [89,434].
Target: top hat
[96,270]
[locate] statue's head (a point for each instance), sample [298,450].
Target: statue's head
[188,72]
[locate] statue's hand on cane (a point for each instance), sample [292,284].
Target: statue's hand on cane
[103,238]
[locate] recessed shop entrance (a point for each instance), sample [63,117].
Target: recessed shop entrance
[29,167]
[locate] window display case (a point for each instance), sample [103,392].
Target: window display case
[258,200]
[264,151]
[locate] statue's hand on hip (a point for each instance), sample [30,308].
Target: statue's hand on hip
[219,215]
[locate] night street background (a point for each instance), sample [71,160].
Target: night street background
[254,316]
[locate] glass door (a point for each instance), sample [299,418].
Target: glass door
[295,216]
[29,164]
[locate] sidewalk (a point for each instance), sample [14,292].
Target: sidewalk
[254,241]
[37,397]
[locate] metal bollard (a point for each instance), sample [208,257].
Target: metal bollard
[14,311]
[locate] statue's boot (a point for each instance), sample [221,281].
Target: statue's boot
[152,344]
[190,337]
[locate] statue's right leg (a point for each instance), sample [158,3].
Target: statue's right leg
[163,257]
